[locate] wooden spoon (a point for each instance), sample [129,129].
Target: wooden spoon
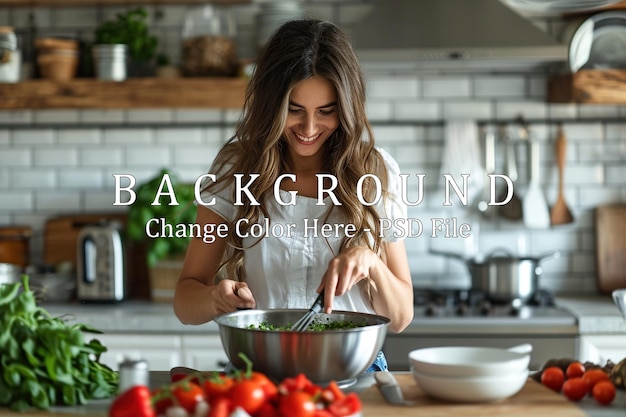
[560,213]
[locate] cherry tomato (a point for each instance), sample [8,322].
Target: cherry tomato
[348,405]
[574,370]
[188,394]
[270,389]
[248,395]
[575,388]
[267,410]
[221,407]
[553,378]
[593,376]
[296,404]
[603,392]
[217,385]
[162,400]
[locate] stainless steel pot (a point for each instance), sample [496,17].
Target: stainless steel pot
[323,356]
[503,277]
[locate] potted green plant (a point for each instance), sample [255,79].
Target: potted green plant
[163,253]
[129,29]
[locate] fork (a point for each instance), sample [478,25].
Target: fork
[305,321]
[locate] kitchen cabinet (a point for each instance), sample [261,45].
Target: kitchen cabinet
[600,348]
[165,351]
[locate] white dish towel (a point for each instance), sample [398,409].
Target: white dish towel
[462,155]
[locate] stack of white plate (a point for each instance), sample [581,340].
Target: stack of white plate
[272,14]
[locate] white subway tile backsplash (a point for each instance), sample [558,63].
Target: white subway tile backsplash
[102,201]
[103,116]
[149,156]
[584,131]
[15,157]
[616,132]
[596,110]
[16,117]
[16,200]
[379,110]
[61,201]
[594,196]
[615,174]
[197,115]
[156,116]
[82,178]
[413,110]
[56,116]
[82,137]
[51,157]
[563,111]
[33,137]
[446,87]
[101,157]
[548,240]
[602,151]
[503,86]
[75,17]
[179,136]
[457,110]
[193,155]
[526,109]
[5,138]
[33,178]
[130,136]
[392,88]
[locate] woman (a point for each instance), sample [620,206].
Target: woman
[304,115]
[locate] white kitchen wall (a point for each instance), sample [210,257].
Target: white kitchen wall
[62,161]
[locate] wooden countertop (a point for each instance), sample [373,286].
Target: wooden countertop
[533,400]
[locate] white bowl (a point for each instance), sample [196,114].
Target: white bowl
[471,389]
[619,296]
[466,361]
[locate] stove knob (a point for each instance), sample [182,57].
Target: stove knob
[486,308]
[462,309]
[430,310]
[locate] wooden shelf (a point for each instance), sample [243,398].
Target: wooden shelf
[86,93]
[76,3]
[589,87]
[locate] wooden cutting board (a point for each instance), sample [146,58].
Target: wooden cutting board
[533,400]
[611,247]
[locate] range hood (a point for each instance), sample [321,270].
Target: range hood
[447,34]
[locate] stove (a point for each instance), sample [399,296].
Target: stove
[459,317]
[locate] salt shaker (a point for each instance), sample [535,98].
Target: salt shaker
[133,371]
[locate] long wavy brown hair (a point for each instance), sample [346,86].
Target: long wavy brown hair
[298,50]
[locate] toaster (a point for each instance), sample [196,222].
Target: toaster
[100,264]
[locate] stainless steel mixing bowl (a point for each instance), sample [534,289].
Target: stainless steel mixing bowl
[323,356]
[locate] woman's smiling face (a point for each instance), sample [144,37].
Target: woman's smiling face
[312,117]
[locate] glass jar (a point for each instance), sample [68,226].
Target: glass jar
[10,56]
[209,47]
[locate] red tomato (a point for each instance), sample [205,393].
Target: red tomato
[217,386]
[553,378]
[296,404]
[162,400]
[187,394]
[134,402]
[593,376]
[575,370]
[320,412]
[220,407]
[267,410]
[333,392]
[248,395]
[575,388]
[603,392]
[297,383]
[348,405]
[270,389]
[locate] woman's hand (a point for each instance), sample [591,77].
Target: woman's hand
[344,271]
[229,295]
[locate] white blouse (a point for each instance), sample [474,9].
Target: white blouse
[285,267]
